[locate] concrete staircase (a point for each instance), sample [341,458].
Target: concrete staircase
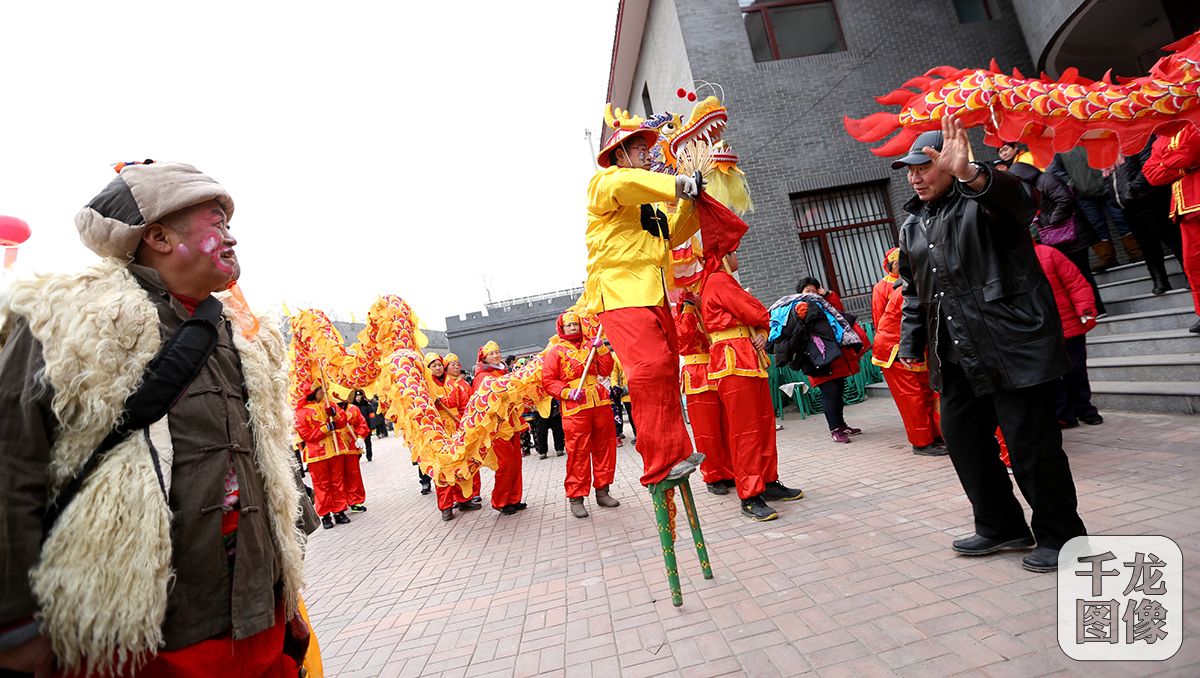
[1141,358]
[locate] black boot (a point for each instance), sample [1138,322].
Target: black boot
[1043,559]
[976,545]
[327,521]
[448,514]
[340,518]
[1195,328]
[1159,280]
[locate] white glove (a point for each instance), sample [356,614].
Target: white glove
[360,444]
[686,188]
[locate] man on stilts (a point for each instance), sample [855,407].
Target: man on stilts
[628,241]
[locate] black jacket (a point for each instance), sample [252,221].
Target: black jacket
[1132,187]
[968,261]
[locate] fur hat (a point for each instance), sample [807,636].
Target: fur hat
[111,224]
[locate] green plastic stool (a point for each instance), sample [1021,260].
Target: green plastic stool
[664,505]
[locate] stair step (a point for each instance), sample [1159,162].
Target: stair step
[1178,340]
[1127,271]
[1166,319]
[1139,303]
[1162,397]
[1136,286]
[1177,367]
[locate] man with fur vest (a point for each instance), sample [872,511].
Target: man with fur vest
[182,554]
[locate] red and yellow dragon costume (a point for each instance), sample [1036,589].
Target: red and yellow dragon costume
[1048,116]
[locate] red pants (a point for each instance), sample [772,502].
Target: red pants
[749,421]
[356,493]
[644,338]
[447,497]
[708,430]
[329,484]
[508,472]
[1189,229]
[917,403]
[591,437]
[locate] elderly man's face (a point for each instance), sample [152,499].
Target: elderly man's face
[928,181]
[634,153]
[204,251]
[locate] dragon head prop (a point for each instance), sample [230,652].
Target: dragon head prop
[1049,116]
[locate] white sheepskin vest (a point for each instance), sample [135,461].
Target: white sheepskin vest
[105,570]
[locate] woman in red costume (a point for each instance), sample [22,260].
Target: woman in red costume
[737,331]
[458,392]
[703,404]
[506,494]
[449,396]
[356,492]
[917,402]
[588,426]
[324,428]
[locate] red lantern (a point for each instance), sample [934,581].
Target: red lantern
[13,232]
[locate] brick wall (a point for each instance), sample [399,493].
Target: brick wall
[786,116]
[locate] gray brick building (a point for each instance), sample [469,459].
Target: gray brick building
[521,326]
[790,70]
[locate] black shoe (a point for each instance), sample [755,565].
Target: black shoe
[341,518]
[757,510]
[1092,419]
[976,545]
[542,455]
[520,506]
[425,488]
[508,510]
[327,521]
[1043,559]
[467,506]
[476,500]
[850,430]
[933,450]
[559,453]
[1067,424]
[358,508]
[1195,328]
[368,457]
[448,514]
[777,491]
[718,488]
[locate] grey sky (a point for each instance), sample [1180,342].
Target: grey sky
[372,147]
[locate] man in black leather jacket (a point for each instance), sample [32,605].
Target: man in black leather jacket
[978,305]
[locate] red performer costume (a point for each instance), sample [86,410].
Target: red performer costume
[737,327]
[356,492]
[323,427]
[916,401]
[506,494]
[703,403]
[458,392]
[587,418]
[628,241]
[449,397]
[1176,161]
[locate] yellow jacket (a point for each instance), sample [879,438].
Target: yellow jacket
[627,262]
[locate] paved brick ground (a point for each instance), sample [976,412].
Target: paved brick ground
[857,579]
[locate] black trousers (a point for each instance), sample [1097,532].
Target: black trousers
[541,429]
[1074,392]
[367,440]
[1154,228]
[1040,467]
[833,402]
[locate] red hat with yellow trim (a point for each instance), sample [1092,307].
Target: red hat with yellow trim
[892,256]
[624,127]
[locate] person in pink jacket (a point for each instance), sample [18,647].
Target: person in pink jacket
[1077,308]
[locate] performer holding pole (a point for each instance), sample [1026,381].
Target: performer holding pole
[590,433]
[628,240]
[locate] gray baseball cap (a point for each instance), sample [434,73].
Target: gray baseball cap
[915,156]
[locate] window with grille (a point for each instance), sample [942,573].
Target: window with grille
[844,234]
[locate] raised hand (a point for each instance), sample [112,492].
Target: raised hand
[955,156]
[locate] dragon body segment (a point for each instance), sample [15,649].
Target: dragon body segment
[1049,116]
